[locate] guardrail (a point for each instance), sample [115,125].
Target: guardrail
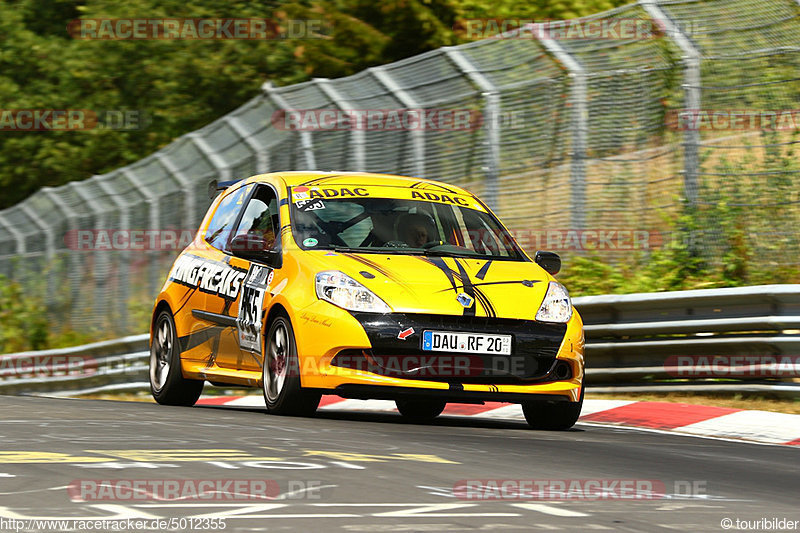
[744,339]
[100,365]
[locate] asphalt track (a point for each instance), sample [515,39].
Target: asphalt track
[345,471]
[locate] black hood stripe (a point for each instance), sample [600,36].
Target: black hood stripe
[377,267]
[468,288]
[465,284]
[476,293]
[439,263]
[484,270]
[511,282]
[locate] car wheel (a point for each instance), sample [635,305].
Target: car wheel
[280,374]
[552,415]
[420,411]
[167,384]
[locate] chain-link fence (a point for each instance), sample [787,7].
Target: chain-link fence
[587,143]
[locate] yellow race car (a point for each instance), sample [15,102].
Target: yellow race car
[365,286]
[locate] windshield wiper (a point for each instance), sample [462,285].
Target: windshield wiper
[367,250]
[447,253]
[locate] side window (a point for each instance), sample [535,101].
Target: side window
[220,227]
[261,216]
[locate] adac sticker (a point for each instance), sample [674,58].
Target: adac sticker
[310,242]
[444,198]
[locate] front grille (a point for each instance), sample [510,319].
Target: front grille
[533,354]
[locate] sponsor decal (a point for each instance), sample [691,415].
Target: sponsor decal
[406,333]
[342,192]
[310,205]
[465,299]
[444,198]
[251,307]
[211,277]
[300,193]
[310,242]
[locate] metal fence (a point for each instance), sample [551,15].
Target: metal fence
[580,147]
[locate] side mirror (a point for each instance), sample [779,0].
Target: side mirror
[255,247]
[549,261]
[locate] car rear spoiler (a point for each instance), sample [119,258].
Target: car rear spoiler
[215,186]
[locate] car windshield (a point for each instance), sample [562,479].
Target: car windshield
[399,226]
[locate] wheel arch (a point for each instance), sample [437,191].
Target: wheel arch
[161,305]
[277,308]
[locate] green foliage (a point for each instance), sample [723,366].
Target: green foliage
[182,85]
[538,10]
[23,322]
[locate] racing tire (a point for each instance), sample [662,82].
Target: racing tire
[167,384]
[552,415]
[420,411]
[280,373]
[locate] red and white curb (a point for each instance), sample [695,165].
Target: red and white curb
[698,420]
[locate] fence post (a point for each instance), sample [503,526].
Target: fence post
[262,156]
[154,223]
[99,266]
[49,248]
[188,188]
[580,117]
[491,107]
[305,136]
[692,96]
[223,170]
[408,101]
[18,237]
[71,216]
[124,258]
[357,142]
[47,230]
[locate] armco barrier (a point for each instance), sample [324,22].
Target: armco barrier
[635,342]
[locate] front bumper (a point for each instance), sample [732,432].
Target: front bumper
[397,350]
[541,345]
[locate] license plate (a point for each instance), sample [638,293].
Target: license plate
[449,341]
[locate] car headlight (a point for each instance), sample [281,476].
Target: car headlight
[340,289]
[556,306]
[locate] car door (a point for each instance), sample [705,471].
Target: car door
[212,284]
[258,225]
